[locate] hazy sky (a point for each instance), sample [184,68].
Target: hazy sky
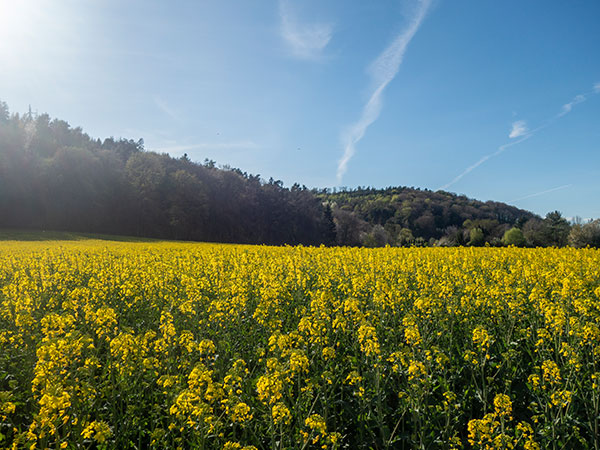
[497,100]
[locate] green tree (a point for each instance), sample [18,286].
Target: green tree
[556,229]
[376,237]
[476,238]
[515,237]
[405,237]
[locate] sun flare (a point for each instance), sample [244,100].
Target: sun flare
[25,29]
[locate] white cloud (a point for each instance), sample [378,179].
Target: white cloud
[519,128]
[597,88]
[567,107]
[305,40]
[382,70]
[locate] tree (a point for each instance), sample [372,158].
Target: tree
[515,237]
[405,237]
[582,235]
[188,205]
[377,237]
[4,113]
[328,226]
[147,175]
[556,229]
[476,237]
[347,227]
[533,233]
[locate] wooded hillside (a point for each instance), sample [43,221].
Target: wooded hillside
[55,177]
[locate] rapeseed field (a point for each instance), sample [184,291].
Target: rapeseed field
[173,345]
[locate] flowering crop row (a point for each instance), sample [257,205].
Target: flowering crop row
[166,345]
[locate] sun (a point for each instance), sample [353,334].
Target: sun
[14,24]
[21,26]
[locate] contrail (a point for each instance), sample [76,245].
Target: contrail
[564,186]
[501,149]
[383,70]
[566,108]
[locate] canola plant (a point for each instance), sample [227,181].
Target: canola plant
[174,345]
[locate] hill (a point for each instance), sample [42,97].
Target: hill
[55,177]
[403,215]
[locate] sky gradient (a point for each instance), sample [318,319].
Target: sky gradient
[494,100]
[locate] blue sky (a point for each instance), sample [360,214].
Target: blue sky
[338,93]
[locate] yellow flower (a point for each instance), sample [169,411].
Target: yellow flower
[411,332]
[241,413]
[328,353]
[269,388]
[369,343]
[416,370]
[298,362]
[481,339]
[281,413]
[99,431]
[206,347]
[561,398]
[503,405]
[316,423]
[551,372]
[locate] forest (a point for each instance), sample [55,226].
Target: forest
[56,177]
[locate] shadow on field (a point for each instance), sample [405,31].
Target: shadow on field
[38,235]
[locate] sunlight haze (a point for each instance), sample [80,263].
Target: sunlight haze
[494,100]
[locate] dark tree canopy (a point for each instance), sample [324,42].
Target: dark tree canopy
[56,177]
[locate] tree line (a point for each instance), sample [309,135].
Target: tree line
[401,216]
[55,177]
